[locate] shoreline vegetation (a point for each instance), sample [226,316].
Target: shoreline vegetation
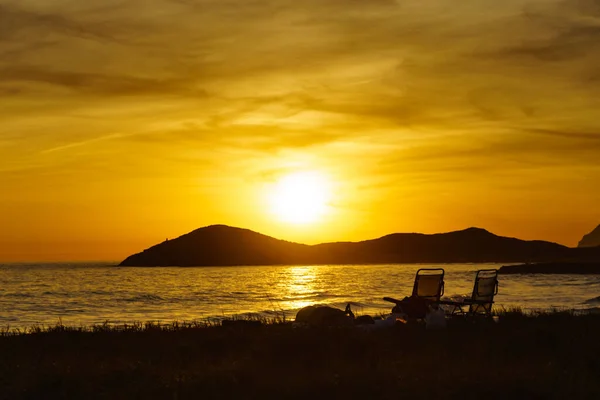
[548,355]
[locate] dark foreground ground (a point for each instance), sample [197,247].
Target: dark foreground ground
[555,356]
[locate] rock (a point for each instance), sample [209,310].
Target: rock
[592,239]
[553,268]
[595,300]
[303,316]
[323,316]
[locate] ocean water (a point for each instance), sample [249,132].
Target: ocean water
[91,293]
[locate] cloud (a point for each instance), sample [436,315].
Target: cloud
[268,75]
[82,143]
[448,109]
[16,21]
[591,136]
[99,84]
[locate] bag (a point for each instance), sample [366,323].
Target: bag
[435,318]
[413,307]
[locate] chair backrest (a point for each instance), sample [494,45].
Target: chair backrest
[484,290]
[429,284]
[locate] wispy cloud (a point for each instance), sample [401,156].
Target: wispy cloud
[100,84]
[432,65]
[81,143]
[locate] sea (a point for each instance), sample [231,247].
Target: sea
[84,294]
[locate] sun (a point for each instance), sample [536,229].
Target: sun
[301,197]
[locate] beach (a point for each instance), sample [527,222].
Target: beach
[542,356]
[99,331]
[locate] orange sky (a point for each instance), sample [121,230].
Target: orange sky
[123,123]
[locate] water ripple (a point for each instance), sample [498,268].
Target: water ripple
[83,294]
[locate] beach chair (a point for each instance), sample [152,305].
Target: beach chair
[482,298]
[427,290]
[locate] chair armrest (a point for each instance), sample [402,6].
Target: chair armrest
[471,301]
[450,303]
[392,300]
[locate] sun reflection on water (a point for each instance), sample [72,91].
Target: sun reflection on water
[300,286]
[92,294]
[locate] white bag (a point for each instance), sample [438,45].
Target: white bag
[435,319]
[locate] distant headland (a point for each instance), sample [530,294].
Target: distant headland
[592,239]
[221,245]
[583,268]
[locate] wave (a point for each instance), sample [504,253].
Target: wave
[142,298]
[99,293]
[308,296]
[19,295]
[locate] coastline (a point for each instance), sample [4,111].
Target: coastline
[579,268]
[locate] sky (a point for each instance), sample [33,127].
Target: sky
[125,122]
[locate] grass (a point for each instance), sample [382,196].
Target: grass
[551,355]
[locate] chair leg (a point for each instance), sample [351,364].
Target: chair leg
[457,310]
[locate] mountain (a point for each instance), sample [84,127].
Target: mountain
[220,245]
[592,239]
[469,245]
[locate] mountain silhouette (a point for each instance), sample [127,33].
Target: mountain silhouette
[221,245]
[592,239]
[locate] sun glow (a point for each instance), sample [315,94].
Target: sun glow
[301,197]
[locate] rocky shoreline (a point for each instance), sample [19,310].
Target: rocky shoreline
[553,268]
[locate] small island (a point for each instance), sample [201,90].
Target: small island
[221,245]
